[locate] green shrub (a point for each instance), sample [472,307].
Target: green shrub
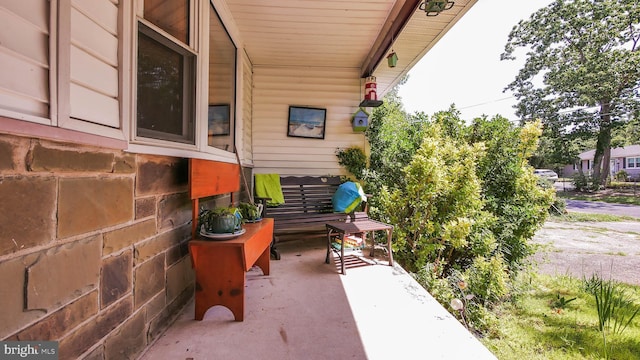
[621,175]
[354,160]
[488,279]
[465,206]
[435,211]
[583,182]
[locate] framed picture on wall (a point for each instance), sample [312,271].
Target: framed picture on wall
[306,122]
[219,120]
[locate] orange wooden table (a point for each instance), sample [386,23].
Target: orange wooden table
[221,267]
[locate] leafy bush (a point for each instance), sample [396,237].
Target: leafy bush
[463,201]
[354,160]
[621,175]
[488,278]
[509,186]
[585,183]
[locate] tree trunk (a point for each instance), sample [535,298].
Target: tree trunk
[602,157]
[606,161]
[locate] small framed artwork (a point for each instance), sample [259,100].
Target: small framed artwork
[306,122]
[219,120]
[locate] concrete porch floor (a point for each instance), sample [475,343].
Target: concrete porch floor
[306,310]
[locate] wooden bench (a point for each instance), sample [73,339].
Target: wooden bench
[307,204]
[221,266]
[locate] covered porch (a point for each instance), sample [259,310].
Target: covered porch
[306,310]
[95,177]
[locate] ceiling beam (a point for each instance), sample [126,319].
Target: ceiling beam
[398,18]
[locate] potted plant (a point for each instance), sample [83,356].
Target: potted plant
[220,220]
[251,212]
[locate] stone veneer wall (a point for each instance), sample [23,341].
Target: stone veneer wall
[93,246]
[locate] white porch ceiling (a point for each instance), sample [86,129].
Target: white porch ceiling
[340,33]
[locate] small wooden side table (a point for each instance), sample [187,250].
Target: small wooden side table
[341,229]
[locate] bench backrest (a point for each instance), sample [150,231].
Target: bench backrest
[209,178]
[305,195]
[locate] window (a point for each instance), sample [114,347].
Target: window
[166,74]
[633,162]
[222,85]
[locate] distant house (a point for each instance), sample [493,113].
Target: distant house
[624,158]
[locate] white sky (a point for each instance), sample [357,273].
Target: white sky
[468,70]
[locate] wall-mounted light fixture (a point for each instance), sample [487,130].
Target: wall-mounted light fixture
[434,7]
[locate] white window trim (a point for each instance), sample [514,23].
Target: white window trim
[200,46]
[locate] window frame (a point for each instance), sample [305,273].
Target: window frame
[189,91]
[233,111]
[199,45]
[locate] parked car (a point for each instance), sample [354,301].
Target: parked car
[546,174]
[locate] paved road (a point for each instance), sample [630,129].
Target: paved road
[598,207]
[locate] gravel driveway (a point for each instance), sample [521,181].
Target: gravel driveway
[611,249]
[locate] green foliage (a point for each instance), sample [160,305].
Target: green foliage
[488,278]
[394,137]
[462,198]
[628,133]
[561,302]
[616,309]
[354,160]
[530,329]
[511,190]
[582,182]
[581,72]
[435,210]
[621,175]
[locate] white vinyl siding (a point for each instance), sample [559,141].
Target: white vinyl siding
[61,68]
[338,90]
[24,55]
[94,62]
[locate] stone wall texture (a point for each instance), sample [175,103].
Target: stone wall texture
[93,246]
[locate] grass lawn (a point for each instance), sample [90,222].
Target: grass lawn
[546,324]
[615,199]
[615,195]
[582,217]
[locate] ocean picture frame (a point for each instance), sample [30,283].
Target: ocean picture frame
[306,122]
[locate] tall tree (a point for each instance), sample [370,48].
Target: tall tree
[582,68]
